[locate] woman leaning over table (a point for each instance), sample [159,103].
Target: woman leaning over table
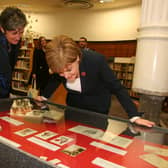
[89,80]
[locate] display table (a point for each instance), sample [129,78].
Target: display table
[76,138]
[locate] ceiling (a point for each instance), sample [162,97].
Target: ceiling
[54,5]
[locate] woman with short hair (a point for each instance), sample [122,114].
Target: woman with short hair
[40,70]
[12,24]
[89,80]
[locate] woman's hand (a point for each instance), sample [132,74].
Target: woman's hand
[40,98]
[40,102]
[144,122]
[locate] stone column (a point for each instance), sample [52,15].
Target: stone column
[151,105]
[151,65]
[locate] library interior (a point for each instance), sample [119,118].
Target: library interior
[49,118]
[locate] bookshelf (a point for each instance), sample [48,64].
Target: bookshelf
[22,71]
[123,68]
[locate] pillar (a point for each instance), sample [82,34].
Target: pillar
[151,65]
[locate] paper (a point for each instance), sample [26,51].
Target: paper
[46,135]
[108,148]
[25,132]
[12,121]
[60,165]
[73,150]
[43,144]
[87,131]
[105,163]
[62,140]
[156,150]
[155,160]
[118,141]
[44,157]
[54,161]
[9,142]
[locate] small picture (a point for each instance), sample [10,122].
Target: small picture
[73,150]
[62,140]
[25,132]
[46,135]
[87,131]
[90,132]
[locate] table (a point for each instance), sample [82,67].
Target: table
[78,139]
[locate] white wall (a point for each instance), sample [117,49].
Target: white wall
[104,25]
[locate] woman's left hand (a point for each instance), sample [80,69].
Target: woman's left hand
[144,122]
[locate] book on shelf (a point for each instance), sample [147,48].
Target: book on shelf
[123,68]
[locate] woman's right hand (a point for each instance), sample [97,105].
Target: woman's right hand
[40,103]
[40,98]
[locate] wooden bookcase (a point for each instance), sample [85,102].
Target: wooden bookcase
[22,71]
[123,68]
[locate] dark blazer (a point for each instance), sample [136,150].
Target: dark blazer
[8,57]
[98,83]
[40,68]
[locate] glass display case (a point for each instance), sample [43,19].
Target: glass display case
[43,135]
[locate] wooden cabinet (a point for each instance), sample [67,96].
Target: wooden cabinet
[123,68]
[22,71]
[114,48]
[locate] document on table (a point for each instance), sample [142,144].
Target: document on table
[155,160]
[43,143]
[156,150]
[105,163]
[11,120]
[118,141]
[108,148]
[87,131]
[9,142]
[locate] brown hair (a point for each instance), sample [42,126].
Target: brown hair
[39,46]
[12,18]
[61,51]
[83,38]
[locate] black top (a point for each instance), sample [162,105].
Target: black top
[40,68]
[8,57]
[98,83]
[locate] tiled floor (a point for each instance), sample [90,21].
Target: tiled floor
[116,109]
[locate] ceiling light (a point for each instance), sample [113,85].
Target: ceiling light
[102,1]
[80,4]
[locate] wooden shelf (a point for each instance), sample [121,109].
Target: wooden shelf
[22,71]
[17,79]
[20,90]
[23,57]
[22,68]
[123,68]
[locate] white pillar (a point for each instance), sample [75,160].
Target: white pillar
[151,65]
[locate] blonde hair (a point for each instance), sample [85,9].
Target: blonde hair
[61,51]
